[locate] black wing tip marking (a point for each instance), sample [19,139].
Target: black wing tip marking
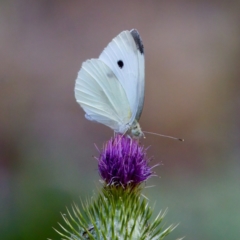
[137,40]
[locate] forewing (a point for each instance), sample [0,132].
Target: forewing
[141,72]
[102,96]
[125,56]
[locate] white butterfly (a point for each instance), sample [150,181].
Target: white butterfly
[110,89]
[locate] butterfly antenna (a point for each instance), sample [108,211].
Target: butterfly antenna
[166,136]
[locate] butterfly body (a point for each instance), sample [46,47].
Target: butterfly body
[110,89]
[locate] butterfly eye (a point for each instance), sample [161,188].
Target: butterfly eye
[120,63]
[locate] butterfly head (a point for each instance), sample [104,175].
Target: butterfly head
[135,130]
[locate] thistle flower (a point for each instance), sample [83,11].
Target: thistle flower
[123,162]
[118,211]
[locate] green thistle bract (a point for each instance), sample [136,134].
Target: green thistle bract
[117,213]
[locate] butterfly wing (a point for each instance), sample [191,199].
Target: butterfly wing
[102,96]
[125,56]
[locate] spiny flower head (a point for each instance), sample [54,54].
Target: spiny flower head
[123,162]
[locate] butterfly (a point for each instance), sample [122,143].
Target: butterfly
[110,89]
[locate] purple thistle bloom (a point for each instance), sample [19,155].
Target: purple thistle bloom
[123,162]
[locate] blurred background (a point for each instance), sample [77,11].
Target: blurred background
[192,91]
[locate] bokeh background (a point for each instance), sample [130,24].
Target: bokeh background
[192,91]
